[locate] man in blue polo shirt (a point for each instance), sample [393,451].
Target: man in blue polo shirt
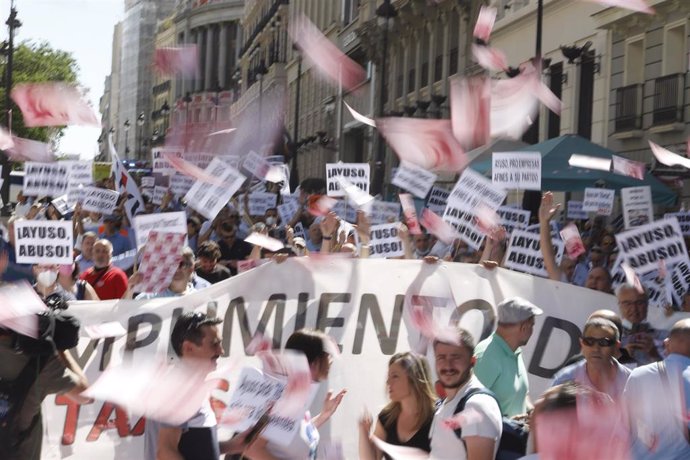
[499,366]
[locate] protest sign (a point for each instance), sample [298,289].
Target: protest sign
[572,240]
[148,181]
[288,209]
[256,165]
[232,160]
[575,211]
[160,164]
[637,206]
[166,222]
[199,159]
[46,179]
[524,253]
[513,218]
[355,173]
[159,261]
[599,200]
[516,170]
[259,202]
[365,319]
[383,212]
[384,241]
[300,232]
[680,279]
[340,208]
[208,199]
[99,200]
[80,173]
[61,205]
[101,171]
[683,218]
[416,180]
[643,247]
[43,242]
[158,194]
[180,185]
[438,198]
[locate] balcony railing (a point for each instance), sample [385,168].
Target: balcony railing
[669,95]
[629,108]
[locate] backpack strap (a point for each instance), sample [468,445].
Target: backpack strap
[461,404]
[663,373]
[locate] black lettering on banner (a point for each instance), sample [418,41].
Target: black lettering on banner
[301,316]
[173,320]
[133,324]
[551,323]
[483,306]
[275,302]
[387,342]
[322,319]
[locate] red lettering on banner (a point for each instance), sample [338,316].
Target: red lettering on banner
[69,429]
[103,422]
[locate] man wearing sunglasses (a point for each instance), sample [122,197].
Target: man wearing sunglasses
[599,370]
[642,342]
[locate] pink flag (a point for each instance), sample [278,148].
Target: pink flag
[470,104]
[485,23]
[630,168]
[429,144]
[667,157]
[410,213]
[186,168]
[53,104]
[634,5]
[489,57]
[20,304]
[325,55]
[573,242]
[173,60]
[29,150]
[437,226]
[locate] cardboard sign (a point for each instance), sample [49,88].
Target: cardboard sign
[260,202]
[683,218]
[418,181]
[208,199]
[438,198]
[300,232]
[180,185]
[159,261]
[288,209]
[101,171]
[160,164]
[384,212]
[166,222]
[524,253]
[99,200]
[513,218]
[158,194]
[43,242]
[256,165]
[384,241]
[637,206]
[643,247]
[516,170]
[46,179]
[354,173]
[599,200]
[575,211]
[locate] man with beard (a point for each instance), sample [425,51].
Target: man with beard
[480,433]
[642,342]
[107,280]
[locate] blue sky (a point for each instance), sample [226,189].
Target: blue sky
[82,27]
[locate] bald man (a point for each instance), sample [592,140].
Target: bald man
[659,425]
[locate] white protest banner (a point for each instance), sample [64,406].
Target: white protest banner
[516,170]
[99,200]
[208,199]
[383,212]
[637,206]
[513,218]
[160,164]
[256,165]
[416,180]
[384,241]
[45,179]
[288,209]
[43,242]
[524,253]
[643,247]
[683,218]
[438,198]
[159,261]
[472,190]
[599,200]
[180,185]
[165,222]
[354,173]
[366,321]
[260,202]
[158,194]
[125,184]
[575,211]
[148,182]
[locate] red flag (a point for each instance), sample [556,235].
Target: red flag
[173,60]
[53,104]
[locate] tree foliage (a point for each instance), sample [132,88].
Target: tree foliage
[37,62]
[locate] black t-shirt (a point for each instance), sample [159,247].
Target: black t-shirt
[239,250]
[218,274]
[199,444]
[419,440]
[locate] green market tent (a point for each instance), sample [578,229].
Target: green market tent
[558,175]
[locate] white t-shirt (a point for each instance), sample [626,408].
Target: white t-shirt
[445,444]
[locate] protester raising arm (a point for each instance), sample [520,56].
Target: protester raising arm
[494,248]
[363,232]
[328,226]
[546,212]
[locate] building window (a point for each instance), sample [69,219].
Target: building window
[634,61]
[675,57]
[350,11]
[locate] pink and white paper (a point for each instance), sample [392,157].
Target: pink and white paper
[159,261]
[20,304]
[437,226]
[53,104]
[485,23]
[573,242]
[633,5]
[181,60]
[630,168]
[470,108]
[410,214]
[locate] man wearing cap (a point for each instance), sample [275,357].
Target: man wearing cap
[195,337]
[499,366]
[107,280]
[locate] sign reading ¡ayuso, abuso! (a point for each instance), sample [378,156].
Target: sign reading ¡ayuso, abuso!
[359,303]
[43,242]
[524,253]
[355,173]
[643,247]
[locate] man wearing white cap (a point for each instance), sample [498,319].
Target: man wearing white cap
[499,362]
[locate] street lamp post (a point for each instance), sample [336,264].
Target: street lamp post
[165,111]
[8,50]
[261,71]
[384,13]
[187,100]
[141,119]
[127,125]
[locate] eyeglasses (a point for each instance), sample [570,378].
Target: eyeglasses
[602,342]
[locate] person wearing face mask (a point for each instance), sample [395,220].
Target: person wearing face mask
[47,285]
